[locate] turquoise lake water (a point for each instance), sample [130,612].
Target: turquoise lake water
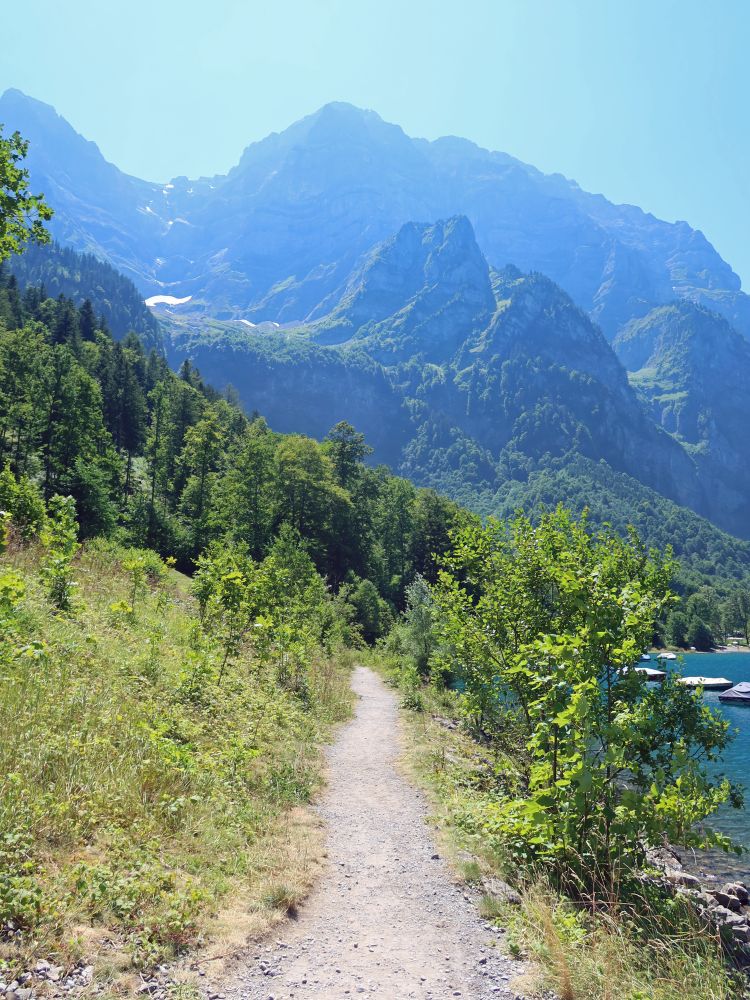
[736,764]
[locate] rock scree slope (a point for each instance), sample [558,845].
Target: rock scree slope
[386,920]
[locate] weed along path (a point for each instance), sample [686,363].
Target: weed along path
[386,918]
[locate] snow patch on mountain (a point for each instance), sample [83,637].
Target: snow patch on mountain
[166,300]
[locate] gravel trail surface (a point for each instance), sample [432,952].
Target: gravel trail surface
[386,918]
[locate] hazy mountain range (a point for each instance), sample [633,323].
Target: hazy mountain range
[277,236]
[455,304]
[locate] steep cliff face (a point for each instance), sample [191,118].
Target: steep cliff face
[540,381]
[693,371]
[278,236]
[298,386]
[98,209]
[421,293]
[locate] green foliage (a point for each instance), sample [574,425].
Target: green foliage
[677,629]
[347,449]
[642,944]
[373,614]
[103,296]
[707,556]
[5,523]
[21,499]
[160,457]
[736,613]
[413,641]
[22,214]
[139,786]
[542,624]
[700,635]
[144,567]
[419,625]
[60,540]
[278,607]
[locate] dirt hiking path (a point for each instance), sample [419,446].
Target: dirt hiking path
[386,918]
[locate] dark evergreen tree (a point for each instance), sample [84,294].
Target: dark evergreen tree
[87,321]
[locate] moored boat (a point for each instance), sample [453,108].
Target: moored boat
[738,695]
[666,656]
[707,683]
[652,674]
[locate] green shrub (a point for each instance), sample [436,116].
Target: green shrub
[542,623]
[22,500]
[60,538]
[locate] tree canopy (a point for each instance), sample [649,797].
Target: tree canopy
[22,214]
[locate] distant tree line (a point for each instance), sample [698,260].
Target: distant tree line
[161,460]
[61,270]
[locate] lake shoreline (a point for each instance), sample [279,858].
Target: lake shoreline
[734,823]
[654,653]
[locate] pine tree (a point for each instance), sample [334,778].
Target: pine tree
[199,462]
[65,330]
[87,321]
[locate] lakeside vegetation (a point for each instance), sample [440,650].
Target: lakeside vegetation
[644,947]
[558,764]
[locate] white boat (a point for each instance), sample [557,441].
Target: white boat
[651,674]
[648,672]
[666,656]
[645,656]
[707,683]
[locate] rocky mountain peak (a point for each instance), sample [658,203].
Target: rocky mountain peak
[429,285]
[277,237]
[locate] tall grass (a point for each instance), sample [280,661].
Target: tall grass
[137,788]
[616,955]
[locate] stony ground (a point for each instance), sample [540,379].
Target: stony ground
[387,919]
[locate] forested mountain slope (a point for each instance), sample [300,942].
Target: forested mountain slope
[62,271]
[127,437]
[693,371]
[278,236]
[463,378]
[168,463]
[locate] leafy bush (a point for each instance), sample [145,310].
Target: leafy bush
[543,624]
[60,540]
[22,500]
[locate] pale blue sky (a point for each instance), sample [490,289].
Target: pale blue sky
[647,101]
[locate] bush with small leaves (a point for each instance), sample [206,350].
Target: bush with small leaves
[22,501]
[60,538]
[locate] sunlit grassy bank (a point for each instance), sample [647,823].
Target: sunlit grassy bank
[146,775]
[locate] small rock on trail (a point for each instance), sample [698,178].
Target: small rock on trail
[386,920]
